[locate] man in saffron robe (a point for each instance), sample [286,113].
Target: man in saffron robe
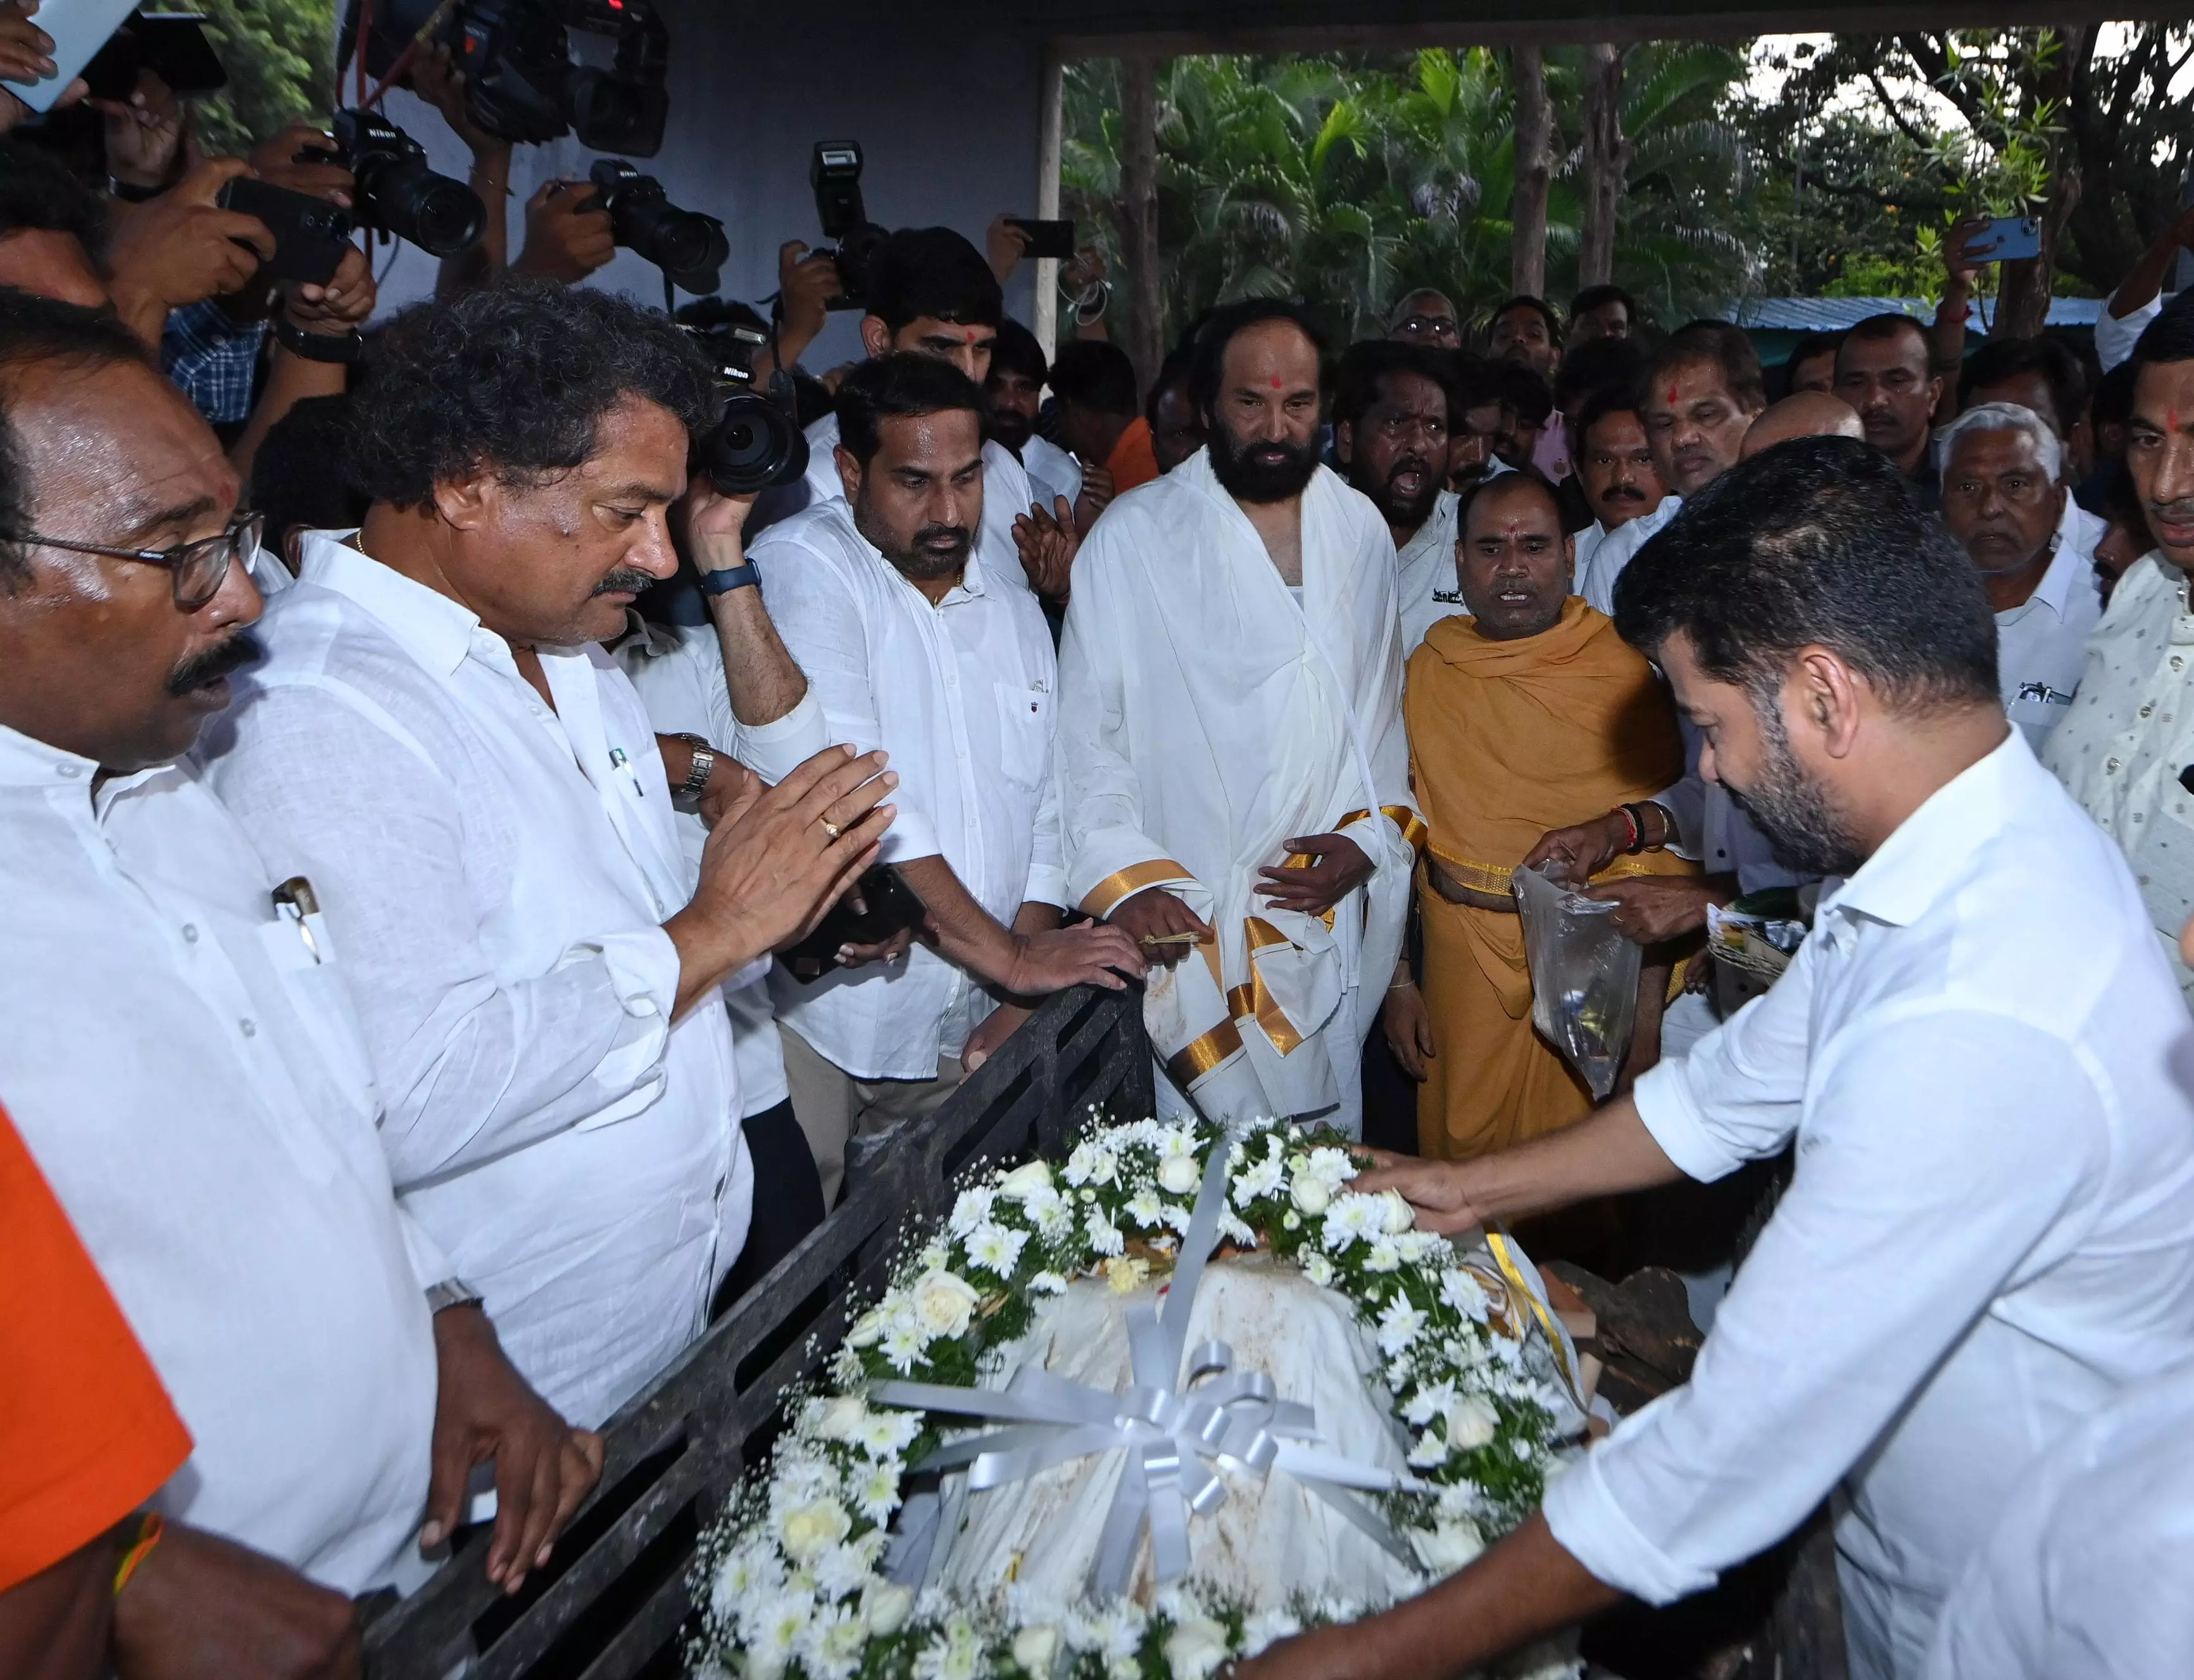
[1523,709]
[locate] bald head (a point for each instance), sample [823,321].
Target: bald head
[1809,414]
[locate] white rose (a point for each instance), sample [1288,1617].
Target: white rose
[944,1303]
[1471,1422]
[1396,1215]
[1036,1649]
[885,1607]
[841,1417]
[1177,1175]
[1023,1181]
[1194,1650]
[1310,1194]
[1447,1547]
[809,1530]
[869,1329]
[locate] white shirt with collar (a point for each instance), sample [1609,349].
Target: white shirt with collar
[1986,1236]
[679,672]
[1052,471]
[2040,643]
[498,873]
[1596,582]
[190,1079]
[1425,583]
[1007,495]
[2125,740]
[961,695]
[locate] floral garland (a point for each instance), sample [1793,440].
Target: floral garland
[789,1580]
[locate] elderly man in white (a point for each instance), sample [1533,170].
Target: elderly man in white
[912,642]
[1985,1240]
[2004,500]
[475,791]
[1235,772]
[181,1056]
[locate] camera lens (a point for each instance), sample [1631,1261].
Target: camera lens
[684,244]
[755,445]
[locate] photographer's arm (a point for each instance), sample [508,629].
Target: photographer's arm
[333,312]
[436,79]
[764,682]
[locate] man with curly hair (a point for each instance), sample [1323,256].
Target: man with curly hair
[472,783]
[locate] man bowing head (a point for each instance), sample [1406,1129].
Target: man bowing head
[1236,781]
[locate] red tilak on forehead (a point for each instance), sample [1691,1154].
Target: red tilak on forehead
[969,335]
[1275,385]
[1672,396]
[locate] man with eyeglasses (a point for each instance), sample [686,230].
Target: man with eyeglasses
[1425,318]
[181,1058]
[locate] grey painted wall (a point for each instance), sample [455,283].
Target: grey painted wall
[948,123]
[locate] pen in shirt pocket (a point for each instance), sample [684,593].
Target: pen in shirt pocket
[621,763]
[296,902]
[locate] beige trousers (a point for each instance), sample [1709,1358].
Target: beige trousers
[833,1107]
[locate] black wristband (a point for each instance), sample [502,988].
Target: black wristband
[731,577]
[1636,814]
[317,347]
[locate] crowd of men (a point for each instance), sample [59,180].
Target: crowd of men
[422,794]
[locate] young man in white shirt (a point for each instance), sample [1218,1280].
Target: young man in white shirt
[1014,392]
[479,798]
[181,1057]
[911,644]
[1700,395]
[1985,1238]
[2004,500]
[1391,418]
[1615,469]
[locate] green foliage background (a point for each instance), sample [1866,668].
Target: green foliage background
[280,59]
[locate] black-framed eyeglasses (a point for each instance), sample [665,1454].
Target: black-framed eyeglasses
[1440,326]
[197,570]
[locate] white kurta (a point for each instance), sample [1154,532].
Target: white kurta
[1425,574]
[1595,579]
[191,1082]
[499,873]
[1204,720]
[1052,471]
[1985,1238]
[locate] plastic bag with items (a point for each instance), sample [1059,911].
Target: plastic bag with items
[1584,976]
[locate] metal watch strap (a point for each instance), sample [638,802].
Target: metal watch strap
[452,1291]
[702,767]
[731,577]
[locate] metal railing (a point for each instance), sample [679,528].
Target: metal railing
[613,1602]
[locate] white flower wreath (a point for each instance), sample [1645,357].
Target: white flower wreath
[789,1580]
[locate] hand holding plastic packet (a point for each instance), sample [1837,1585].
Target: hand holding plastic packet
[1584,976]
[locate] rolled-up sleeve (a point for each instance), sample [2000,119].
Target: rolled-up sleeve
[1913,1205]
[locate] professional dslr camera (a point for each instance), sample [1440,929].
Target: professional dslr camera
[688,247]
[836,175]
[526,80]
[756,443]
[396,192]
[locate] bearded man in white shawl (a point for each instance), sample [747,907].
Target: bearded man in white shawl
[1236,777]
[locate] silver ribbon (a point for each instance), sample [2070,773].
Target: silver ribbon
[1185,1410]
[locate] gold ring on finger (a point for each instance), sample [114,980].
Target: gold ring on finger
[828,826]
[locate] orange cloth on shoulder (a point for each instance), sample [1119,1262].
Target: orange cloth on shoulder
[1132,461]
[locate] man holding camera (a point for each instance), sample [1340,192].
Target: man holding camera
[913,643]
[479,800]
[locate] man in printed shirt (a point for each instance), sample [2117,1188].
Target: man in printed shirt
[1984,1241]
[2126,746]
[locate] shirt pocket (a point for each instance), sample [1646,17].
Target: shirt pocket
[319,996]
[1023,733]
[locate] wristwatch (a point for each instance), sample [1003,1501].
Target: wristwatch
[731,577]
[313,347]
[704,766]
[452,1291]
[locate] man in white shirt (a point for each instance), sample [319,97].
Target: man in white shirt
[911,643]
[2125,748]
[2044,375]
[1232,759]
[1390,433]
[1701,393]
[476,793]
[1614,468]
[1012,391]
[2004,501]
[181,1056]
[1985,1237]
[930,293]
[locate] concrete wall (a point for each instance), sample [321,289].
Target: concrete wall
[948,122]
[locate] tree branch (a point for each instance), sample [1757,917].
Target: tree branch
[1896,116]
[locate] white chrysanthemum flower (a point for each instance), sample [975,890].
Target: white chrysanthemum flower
[1399,1326]
[806,1530]
[841,1570]
[1196,1648]
[1049,1211]
[936,1255]
[1259,1179]
[1046,1283]
[1458,1498]
[1265,1628]
[972,1210]
[844,1369]
[1119,1628]
[1349,1218]
[1427,1403]
[748,1575]
[830,1646]
[948,1659]
[1466,1294]
[1383,1256]
[996,1249]
[903,1344]
[1145,1208]
[887,1433]
[876,1493]
[1417,1246]
[1426,1451]
[1035,1649]
[1104,1236]
[1090,1164]
[1236,1231]
[1317,1269]
[1334,1166]
[1175,1142]
[776,1629]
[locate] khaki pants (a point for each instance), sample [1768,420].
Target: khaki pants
[833,1107]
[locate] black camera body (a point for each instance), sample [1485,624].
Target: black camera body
[688,247]
[836,175]
[521,81]
[396,192]
[756,443]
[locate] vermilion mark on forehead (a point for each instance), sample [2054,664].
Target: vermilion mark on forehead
[969,335]
[1275,385]
[1672,396]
